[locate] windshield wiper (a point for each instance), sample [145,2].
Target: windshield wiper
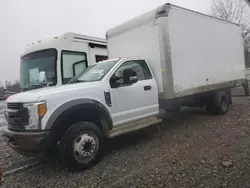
[32,86]
[78,81]
[35,85]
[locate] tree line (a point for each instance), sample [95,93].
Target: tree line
[10,86]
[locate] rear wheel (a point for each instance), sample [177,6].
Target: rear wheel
[219,104]
[81,146]
[223,106]
[246,87]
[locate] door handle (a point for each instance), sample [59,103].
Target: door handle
[146,88]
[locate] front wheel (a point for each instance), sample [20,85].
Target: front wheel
[81,146]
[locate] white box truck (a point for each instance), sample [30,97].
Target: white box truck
[188,52]
[185,59]
[59,58]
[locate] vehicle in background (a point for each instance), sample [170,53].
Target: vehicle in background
[60,58]
[181,58]
[6,96]
[5,93]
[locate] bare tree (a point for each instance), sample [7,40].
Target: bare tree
[236,11]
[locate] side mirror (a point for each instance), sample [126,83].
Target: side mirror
[133,79]
[113,81]
[43,77]
[129,76]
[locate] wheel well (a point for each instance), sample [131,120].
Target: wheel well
[79,114]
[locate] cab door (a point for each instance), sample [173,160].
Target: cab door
[135,96]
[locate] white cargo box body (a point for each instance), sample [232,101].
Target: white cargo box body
[188,52]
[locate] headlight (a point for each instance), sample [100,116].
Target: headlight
[35,111]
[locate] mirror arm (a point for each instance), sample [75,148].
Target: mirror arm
[114,85]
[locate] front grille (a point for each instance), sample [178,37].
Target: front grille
[14,106]
[16,128]
[16,116]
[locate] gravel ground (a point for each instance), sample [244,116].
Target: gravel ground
[10,160]
[192,149]
[2,107]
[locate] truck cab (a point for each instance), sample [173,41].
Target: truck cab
[110,98]
[60,58]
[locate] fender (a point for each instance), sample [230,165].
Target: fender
[80,103]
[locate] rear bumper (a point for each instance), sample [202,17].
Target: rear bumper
[28,143]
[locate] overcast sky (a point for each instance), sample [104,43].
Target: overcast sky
[25,21]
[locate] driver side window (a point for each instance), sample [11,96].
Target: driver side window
[139,68]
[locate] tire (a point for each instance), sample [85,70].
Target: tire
[81,146]
[219,104]
[246,88]
[223,106]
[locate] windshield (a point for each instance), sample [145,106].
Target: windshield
[33,64]
[95,72]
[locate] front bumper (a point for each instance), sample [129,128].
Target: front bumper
[28,143]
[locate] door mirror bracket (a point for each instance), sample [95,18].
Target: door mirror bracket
[113,81]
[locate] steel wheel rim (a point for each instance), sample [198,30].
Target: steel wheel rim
[85,147]
[224,105]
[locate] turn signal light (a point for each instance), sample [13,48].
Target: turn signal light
[42,109]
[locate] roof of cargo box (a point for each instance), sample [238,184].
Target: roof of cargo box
[161,11]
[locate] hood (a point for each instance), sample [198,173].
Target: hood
[41,94]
